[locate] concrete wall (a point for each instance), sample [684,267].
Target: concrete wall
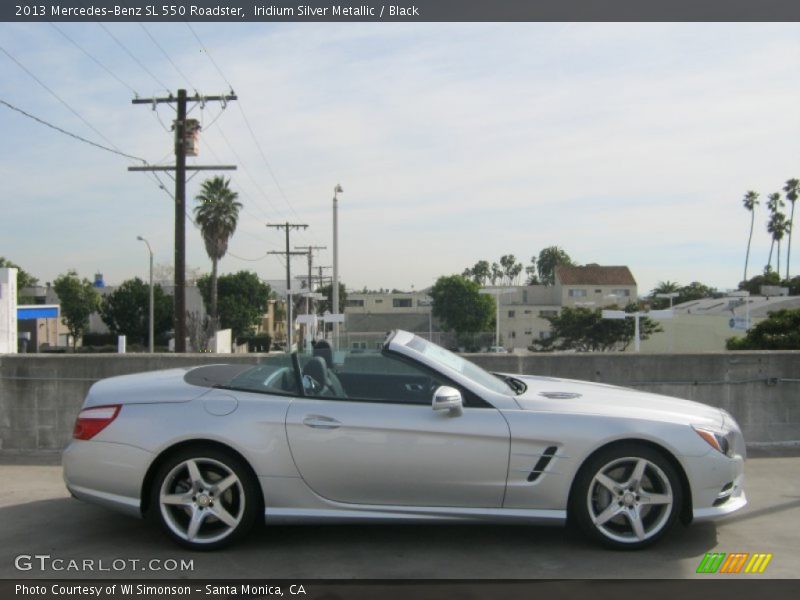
[40,395]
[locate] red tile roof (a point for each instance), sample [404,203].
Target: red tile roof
[594,275]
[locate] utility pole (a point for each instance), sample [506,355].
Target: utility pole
[288,226]
[180,168]
[310,250]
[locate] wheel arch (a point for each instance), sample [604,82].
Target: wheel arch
[164,455]
[686,507]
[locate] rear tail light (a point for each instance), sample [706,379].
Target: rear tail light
[92,421]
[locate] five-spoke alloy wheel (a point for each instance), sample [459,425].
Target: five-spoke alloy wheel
[205,498]
[627,496]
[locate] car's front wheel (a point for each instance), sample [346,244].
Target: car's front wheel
[627,496]
[205,498]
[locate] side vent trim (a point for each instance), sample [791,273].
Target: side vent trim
[542,463]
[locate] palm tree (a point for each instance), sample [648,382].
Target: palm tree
[778,226]
[774,204]
[792,189]
[750,202]
[216,215]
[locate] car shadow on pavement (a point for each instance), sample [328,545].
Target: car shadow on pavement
[69,529]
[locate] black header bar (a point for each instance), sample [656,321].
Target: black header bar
[414,11]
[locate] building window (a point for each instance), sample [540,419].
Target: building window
[513,334]
[624,293]
[379,301]
[359,345]
[528,332]
[543,335]
[354,302]
[401,302]
[511,314]
[527,312]
[598,291]
[577,293]
[548,313]
[524,296]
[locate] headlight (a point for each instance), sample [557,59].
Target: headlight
[719,440]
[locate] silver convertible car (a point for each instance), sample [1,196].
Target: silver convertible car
[407,433]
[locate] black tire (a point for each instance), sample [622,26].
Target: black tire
[636,513]
[211,511]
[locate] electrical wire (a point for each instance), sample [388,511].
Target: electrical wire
[167,56]
[95,60]
[130,54]
[208,54]
[60,99]
[70,134]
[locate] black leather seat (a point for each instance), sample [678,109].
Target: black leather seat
[317,370]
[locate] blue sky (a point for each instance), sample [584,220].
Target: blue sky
[622,143]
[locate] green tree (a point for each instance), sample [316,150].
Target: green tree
[582,329]
[327,304]
[792,189]
[753,285]
[243,299]
[217,215]
[663,287]
[511,268]
[459,305]
[481,272]
[78,300]
[750,201]
[774,205]
[495,273]
[24,279]
[126,311]
[696,291]
[550,258]
[779,331]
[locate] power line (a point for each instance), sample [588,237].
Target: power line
[208,54]
[95,60]
[70,134]
[164,52]
[130,54]
[59,98]
[249,128]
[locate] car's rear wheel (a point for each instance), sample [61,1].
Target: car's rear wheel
[627,496]
[205,498]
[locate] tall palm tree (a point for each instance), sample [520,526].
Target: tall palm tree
[750,201]
[792,189]
[778,226]
[774,204]
[217,215]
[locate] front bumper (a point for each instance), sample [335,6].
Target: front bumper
[717,483]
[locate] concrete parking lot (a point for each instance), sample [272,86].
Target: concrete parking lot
[37,517]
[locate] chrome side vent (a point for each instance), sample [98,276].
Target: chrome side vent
[542,463]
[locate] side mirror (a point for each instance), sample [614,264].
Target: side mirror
[447,398]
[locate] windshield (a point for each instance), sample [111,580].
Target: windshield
[466,368]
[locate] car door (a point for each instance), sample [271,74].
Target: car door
[385,445]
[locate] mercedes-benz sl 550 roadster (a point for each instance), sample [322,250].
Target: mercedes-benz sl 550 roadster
[409,432]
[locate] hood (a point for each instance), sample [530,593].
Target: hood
[571,396]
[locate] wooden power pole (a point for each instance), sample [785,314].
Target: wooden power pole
[180,168]
[288,227]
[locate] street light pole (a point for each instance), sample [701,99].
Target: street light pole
[151,336]
[335,291]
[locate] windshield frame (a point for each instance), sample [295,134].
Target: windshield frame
[444,360]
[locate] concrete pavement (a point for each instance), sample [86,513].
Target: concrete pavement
[37,517]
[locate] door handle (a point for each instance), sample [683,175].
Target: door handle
[321,422]
[414,387]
